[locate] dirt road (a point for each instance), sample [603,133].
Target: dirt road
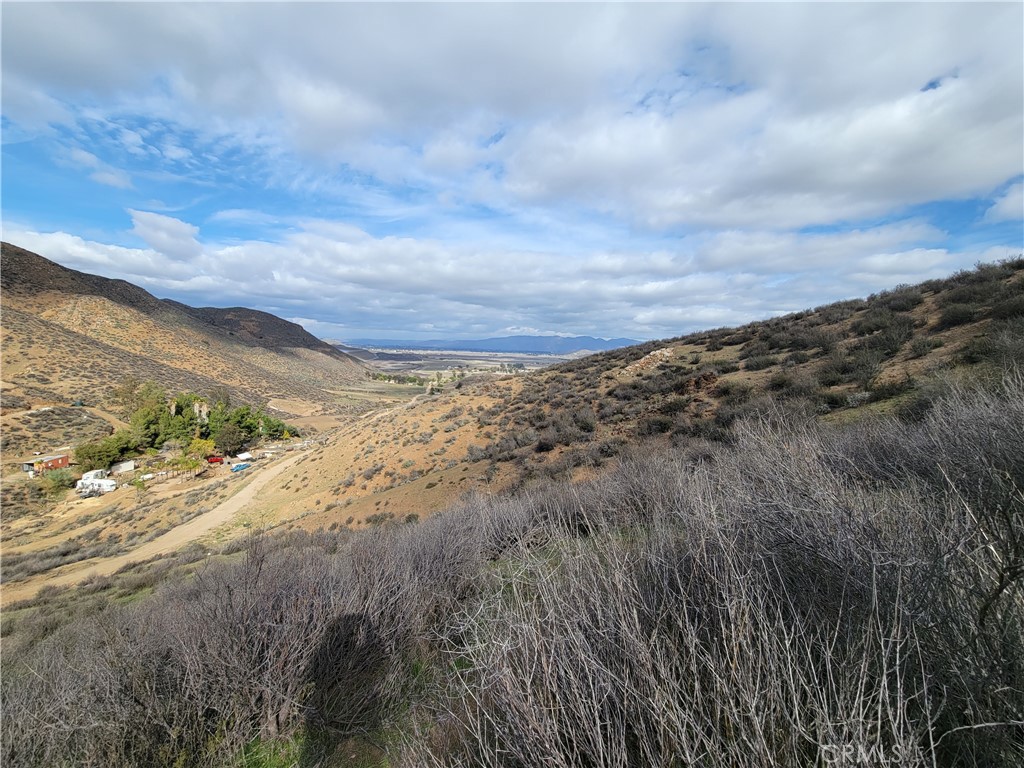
[169,542]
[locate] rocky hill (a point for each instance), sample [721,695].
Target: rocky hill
[70,336]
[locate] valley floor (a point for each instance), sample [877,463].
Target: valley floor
[249,485]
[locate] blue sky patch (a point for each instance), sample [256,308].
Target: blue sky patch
[637,170]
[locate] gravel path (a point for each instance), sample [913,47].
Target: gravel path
[169,542]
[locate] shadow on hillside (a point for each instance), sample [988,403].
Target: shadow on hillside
[346,678]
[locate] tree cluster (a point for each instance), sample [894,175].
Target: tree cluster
[199,426]
[400,378]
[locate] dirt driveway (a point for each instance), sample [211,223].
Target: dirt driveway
[169,542]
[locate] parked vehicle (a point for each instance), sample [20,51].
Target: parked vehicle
[215,459]
[95,485]
[240,467]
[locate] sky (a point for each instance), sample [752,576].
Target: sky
[469,170]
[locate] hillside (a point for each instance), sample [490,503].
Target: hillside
[844,362]
[840,362]
[815,517]
[798,591]
[69,336]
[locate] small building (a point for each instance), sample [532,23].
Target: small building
[42,464]
[121,467]
[244,456]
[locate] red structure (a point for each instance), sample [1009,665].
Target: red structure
[46,463]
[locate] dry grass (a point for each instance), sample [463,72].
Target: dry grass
[570,422]
[778,600]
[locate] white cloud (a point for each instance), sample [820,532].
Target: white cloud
[166,235]
[102,173]
[769,252]
[617,169]
[174,151]
[112,177]
[132,142]
[83,158]
[333,274]
[663,115]
[1009,206]
[30,106]
[144,267]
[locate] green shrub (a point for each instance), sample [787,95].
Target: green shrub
[585,419]
[734,392]
[545,443]
[890,340]
[921,346]
[860,365]
[890,388]
[788,384]
[973,294]
[901,299]
[56,482]
[760,362]
[872,321]
[1003,345]
[726,366]
[954,315]
[830,400]
[655,425]
[756,348]
[674,405]
[1009,308]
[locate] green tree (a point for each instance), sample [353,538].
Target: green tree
[152,410]
[200,449]
[146,424]
[247,419]
[56,482]
[126,396]
[180,426]
[219,396]
[230,439]
[218,418]
[100,454]
[188,464]
[151,394]
[140,488]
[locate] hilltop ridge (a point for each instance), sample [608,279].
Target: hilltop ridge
[72,336]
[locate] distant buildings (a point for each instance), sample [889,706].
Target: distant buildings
[46,463]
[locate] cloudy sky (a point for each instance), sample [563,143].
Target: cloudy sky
[466,170]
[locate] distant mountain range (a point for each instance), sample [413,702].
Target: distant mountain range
[533,345]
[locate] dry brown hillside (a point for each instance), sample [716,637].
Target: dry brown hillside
[842,361]
[885,354]
[69,336]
